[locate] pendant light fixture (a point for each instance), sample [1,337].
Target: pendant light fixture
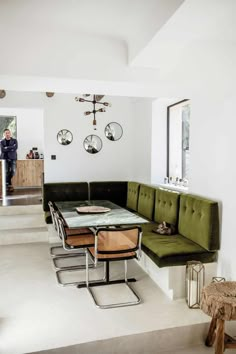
[96,100]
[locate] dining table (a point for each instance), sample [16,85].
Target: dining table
[110,214]
[94,214]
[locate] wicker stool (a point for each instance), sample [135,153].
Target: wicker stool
[218,300]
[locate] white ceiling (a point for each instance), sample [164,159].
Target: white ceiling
[111,46]
[117,19]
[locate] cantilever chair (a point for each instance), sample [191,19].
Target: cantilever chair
[72,242]
[69,232]
[54,222]
[114,244]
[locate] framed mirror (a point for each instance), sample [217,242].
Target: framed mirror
[92,144]
[113,131]
[64,137]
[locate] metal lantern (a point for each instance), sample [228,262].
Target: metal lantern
[218,279]
[195,280]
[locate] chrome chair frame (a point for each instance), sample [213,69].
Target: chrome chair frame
[57,256]
[52,212]
[55,224]
[69,248]
[107,281]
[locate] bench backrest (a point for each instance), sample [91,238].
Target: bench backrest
[115,191]
[70,191]
[132,195]
[199,221]
[146,201]
[166,206]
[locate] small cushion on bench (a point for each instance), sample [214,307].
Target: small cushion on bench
[174,250]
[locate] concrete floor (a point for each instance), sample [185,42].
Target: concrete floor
[37,314]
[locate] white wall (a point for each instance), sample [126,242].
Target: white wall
[141,131]
[116,161]
[29,128]
[213,171]
[120,160]
[212,167]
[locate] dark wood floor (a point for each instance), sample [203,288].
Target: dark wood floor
[23,196]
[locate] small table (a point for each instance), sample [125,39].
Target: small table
[219,301]
[115,217]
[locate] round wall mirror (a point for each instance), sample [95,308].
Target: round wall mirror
[92,144]
[64,137]
[113,131]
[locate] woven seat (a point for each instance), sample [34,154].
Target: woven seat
[218,300]
[77,231]
[80,241]
[114,244]
[55,251]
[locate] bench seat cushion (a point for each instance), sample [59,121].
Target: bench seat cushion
[147,228]
[173,250]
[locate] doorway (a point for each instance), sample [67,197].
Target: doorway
[26,124]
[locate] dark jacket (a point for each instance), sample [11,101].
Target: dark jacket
[9,152]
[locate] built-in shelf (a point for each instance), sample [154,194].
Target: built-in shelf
[173,187]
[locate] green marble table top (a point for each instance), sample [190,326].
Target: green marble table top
[116,216]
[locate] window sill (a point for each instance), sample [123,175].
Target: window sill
[174,188]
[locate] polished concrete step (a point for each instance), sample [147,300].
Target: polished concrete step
[185,340]
[22,224]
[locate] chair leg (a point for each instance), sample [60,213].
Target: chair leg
[71,269]
[60,248]
[113,305]
[55,261]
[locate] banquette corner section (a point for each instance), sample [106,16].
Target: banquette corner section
[196,221]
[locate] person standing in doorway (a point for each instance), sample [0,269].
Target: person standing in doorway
[9,146]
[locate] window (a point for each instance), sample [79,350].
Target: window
[7,122]
[178,123]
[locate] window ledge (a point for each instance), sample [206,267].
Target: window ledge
[173,187]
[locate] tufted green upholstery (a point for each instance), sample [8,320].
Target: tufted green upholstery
[198,230]
[166,206]
[174,250]
[132,195]
[199,221]
[197,218]
[146,201]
